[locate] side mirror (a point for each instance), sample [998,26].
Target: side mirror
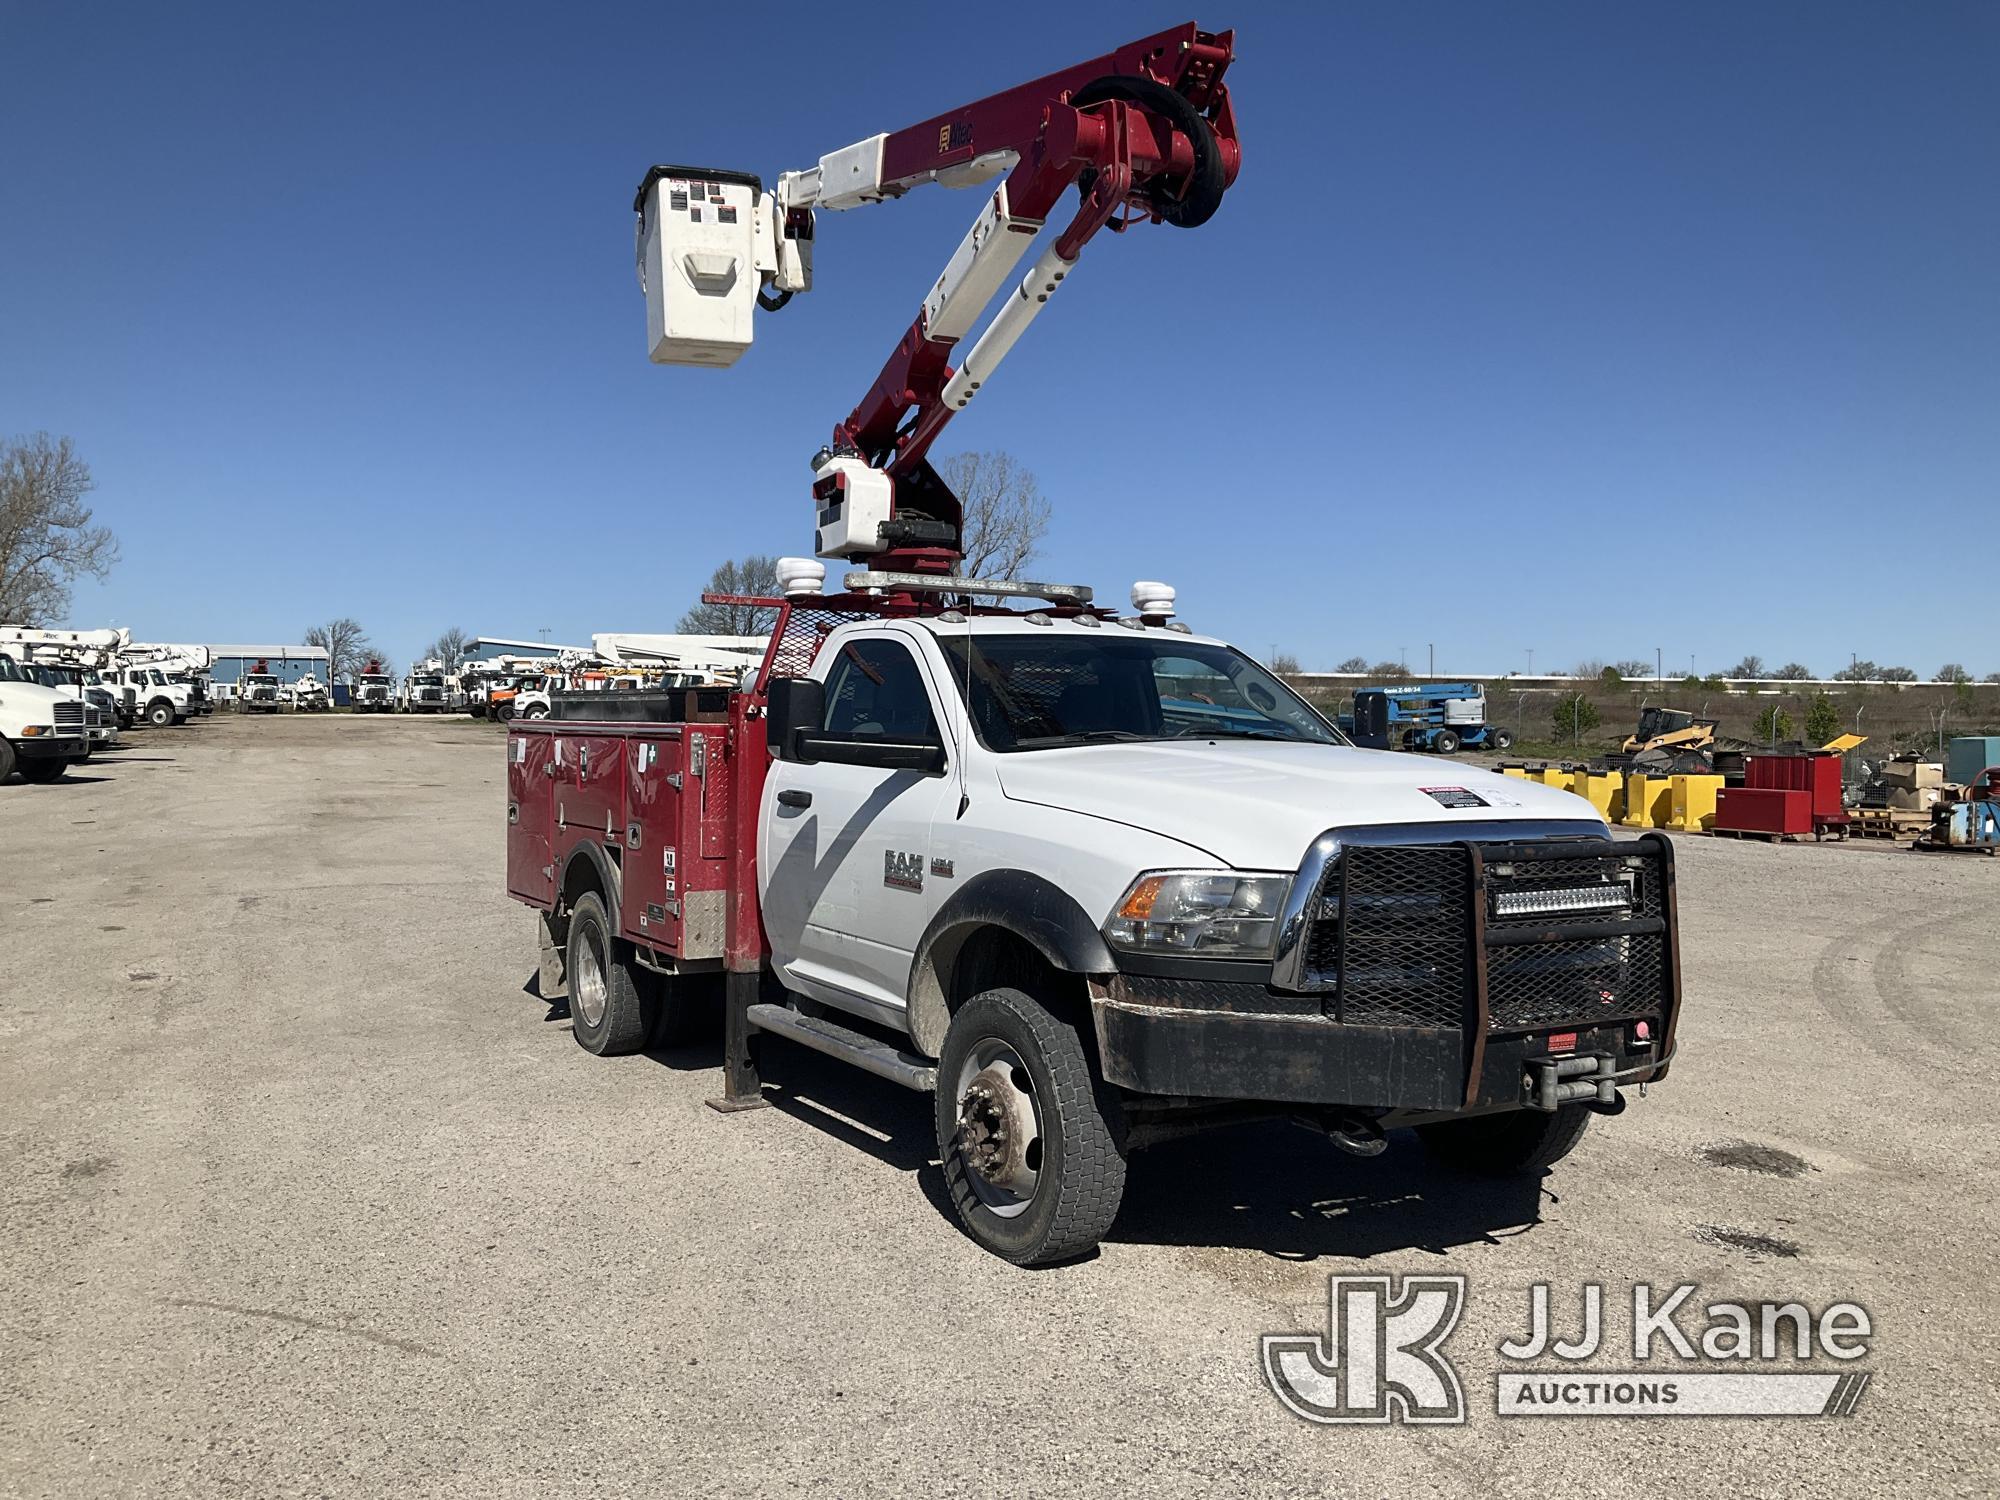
[794,705]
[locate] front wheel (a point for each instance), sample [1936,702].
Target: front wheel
[1024,1129]
[43,770]
[535,711]
[160,714]
[1505,1145]
[1446,743]
[1500,739]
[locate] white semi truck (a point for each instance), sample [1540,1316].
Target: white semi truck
[43,730]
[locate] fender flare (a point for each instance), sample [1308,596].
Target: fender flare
[1032,908]
[610,879]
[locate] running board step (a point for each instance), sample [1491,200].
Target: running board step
[865,1052]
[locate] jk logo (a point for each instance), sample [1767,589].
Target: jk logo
[1380,1359]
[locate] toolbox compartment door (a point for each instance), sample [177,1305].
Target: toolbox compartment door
[529,789]
[653,767]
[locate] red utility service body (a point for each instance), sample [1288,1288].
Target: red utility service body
[670,805]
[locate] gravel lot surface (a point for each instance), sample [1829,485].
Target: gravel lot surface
[308,1193]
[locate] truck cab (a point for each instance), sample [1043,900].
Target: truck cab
[424,690]
[43,730]
[374,693]
[261,693]
[1091,882]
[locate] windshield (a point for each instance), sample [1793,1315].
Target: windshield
[9,672]
[157,678]
[1031,692]
[262,679]
[426,679]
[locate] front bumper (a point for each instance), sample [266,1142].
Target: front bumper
[1426,1002]
[52,747]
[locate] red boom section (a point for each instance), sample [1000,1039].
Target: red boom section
[1147,129]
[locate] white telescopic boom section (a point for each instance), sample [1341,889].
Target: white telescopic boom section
[1029,298]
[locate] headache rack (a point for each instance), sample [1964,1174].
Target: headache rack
[1496,938]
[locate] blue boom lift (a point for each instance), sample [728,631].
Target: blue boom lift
[1438,716]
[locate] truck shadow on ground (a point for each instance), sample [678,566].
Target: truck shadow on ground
[1271,1187]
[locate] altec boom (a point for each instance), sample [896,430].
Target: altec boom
[1146,133]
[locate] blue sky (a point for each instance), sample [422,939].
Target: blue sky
[1576,327]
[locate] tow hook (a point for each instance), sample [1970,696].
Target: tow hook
[1354,1134]
[1584,1078]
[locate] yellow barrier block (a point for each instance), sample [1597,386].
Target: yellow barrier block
[1519,773]
[1694,803]
[1603,790]
[1557,777]
[1649,801]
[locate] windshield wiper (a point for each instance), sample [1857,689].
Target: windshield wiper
[1087,737]
[1223,732]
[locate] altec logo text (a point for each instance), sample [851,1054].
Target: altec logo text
[1382,1358]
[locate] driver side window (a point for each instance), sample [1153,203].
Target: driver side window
[876,691]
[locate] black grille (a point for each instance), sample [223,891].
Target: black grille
[69,715]
[1395,937]
[1392,940]
[1577,982]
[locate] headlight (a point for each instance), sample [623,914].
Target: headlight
[1199,914]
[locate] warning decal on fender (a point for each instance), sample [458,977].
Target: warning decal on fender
[1453,796]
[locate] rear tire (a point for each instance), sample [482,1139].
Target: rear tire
[1024,1129]
[1445,743]
[1501,740]
[1505,1145]
[608,1008]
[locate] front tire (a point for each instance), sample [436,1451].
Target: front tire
[607,1005]
[7,761]
[1446,743]
[160,714]
[1507,1145]
[1024,1129]
[1501,740]
[43,771]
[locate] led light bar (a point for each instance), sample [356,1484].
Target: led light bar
[1566,899]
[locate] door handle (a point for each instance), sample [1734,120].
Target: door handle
[791,798]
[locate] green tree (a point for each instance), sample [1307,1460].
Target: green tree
[1774,724]
[1898,674]
[1822,719]
[1611,677]
[1575,716]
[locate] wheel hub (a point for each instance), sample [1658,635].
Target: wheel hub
[589,990]
[997,1130]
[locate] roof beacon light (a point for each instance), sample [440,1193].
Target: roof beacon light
[800,577]
[1154,601]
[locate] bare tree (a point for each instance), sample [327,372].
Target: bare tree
[1006,518]
[46,539]
[346,645]
[449,648]
[1952,671]
[752,576]
[1284,664]
[1353,664]
[1793,671]
[1750,666]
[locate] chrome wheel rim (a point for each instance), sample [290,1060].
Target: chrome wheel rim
[589,988]
[999,1128]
